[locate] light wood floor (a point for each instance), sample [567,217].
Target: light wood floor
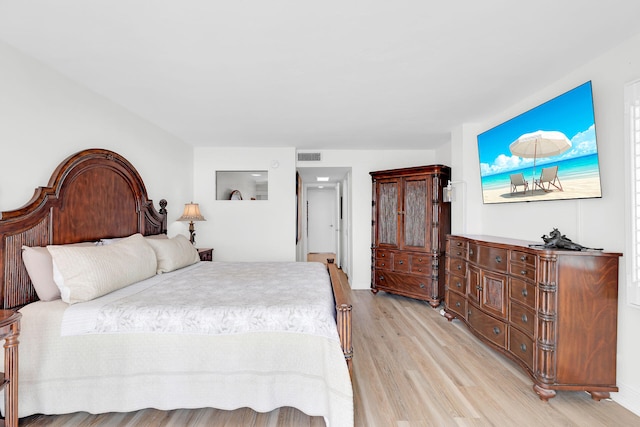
[411,368]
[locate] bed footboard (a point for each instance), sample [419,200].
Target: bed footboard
[343,312]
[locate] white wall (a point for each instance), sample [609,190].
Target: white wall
[247,230]
[593,222]
[45,117]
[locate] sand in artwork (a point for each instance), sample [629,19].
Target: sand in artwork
[574,188]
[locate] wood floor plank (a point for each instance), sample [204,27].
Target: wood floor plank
[411,368]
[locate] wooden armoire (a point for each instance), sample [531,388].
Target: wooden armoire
[410,221]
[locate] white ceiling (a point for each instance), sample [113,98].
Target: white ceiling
[315,75]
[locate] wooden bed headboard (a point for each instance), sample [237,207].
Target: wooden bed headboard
[92,194]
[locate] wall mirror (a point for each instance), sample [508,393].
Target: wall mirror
[242,185]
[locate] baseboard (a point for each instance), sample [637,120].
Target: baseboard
[627,397]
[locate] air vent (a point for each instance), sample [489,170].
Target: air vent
[309,157]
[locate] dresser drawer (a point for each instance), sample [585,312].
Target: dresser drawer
[490,328]
[524,258]
[526,271]
[523,292]
[420,264]
[472,253]
[521,346]
[457,266]
[457,248]
[456,303]
[522,317]
[401,262]
[456,283]
[493,258]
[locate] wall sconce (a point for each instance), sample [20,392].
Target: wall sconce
[191,213]
[448,195]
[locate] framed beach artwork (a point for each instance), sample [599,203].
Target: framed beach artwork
[547,153]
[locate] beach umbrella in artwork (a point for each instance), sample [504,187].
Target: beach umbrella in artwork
[540,144]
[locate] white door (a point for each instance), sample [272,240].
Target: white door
[321,211]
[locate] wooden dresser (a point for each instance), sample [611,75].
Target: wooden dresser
[554,312]
[410,222]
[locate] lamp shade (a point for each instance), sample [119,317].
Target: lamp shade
[191,213]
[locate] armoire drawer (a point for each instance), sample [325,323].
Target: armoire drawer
[403,283]
[401,262]
[420,264]
[384,263]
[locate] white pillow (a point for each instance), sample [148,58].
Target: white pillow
[117,239]
[85,273]
[39,265]
[174,253]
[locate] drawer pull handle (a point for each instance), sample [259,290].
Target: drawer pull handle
[498,259]
[420,270]
[422,285]
[523,272]
[459,267]
[496,330]
[400,262]
[458,243]
[458,304]
[419,259]
[382,264]
[523,258]
[523,347]
[381,278]
[459,253]
[470,251]
[478,287]
[525,319]
[524,292]
[458,284]
[382,255]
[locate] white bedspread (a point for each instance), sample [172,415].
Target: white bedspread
[217,299]
[122,372]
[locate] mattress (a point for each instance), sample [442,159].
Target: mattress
[104,363]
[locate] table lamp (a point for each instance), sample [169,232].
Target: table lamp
[191,213]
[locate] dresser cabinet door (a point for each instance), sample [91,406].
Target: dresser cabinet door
[493,293]
[473,284]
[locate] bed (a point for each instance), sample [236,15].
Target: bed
[128,348]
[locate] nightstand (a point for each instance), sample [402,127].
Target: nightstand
[9,331]
[206,254]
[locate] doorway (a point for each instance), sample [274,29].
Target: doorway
[326,218]
[321,220]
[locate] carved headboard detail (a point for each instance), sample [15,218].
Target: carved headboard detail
[92,194]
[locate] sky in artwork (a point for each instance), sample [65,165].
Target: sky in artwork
[570,113]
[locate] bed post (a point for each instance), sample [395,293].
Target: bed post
[163,212]
[343,313]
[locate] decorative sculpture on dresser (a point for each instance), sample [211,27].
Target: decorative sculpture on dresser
[557,240]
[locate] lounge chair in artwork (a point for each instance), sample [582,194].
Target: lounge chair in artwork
[517,180]
[548,177]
